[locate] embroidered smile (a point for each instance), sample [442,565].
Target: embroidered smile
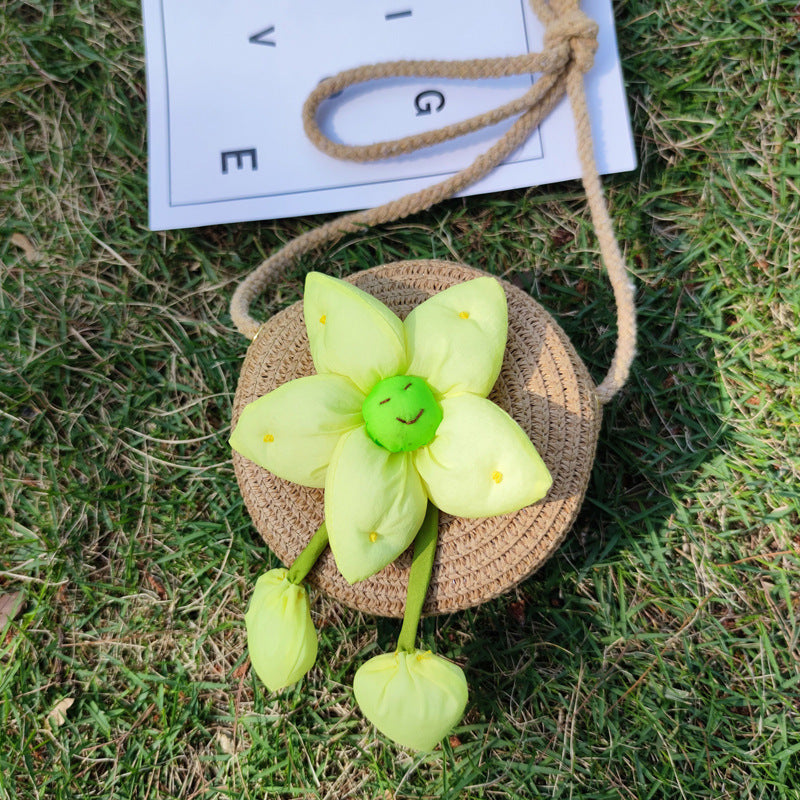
[410,421]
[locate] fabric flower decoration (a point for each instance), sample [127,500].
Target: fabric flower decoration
[413,698]
[396,415]
[281,637]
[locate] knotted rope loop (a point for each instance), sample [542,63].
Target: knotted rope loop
[576,32]
[570,39]
[552,65]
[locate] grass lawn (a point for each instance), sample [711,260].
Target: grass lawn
[656,655]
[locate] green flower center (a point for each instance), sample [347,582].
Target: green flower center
[401,414]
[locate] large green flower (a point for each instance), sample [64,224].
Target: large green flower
[397,414]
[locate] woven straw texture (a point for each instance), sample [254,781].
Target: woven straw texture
[543,385]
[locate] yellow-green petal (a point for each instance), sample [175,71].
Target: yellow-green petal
[374,505]
[294,430]
[456,339]
[352,333]
[415,699]
[481,462]
[281,638]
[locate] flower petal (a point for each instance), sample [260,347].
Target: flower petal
[293,430]
[481,463]
[413,698]
[281,637]
[374,505]
[351,333]
[456,339]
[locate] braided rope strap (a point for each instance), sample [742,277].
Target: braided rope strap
[570,44]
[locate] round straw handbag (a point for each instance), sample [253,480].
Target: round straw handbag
[543,383]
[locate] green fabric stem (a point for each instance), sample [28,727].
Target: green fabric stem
[305,561]
[419,577]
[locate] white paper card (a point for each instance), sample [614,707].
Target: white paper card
[227,82]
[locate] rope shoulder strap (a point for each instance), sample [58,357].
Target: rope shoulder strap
[570,44]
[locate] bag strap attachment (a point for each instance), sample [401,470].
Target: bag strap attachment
[570,44]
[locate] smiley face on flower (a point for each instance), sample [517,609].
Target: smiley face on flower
[396,416]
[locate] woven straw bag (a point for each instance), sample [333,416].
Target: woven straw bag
[543,383]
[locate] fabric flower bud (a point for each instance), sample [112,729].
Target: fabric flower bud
[414,699]
[281,637]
